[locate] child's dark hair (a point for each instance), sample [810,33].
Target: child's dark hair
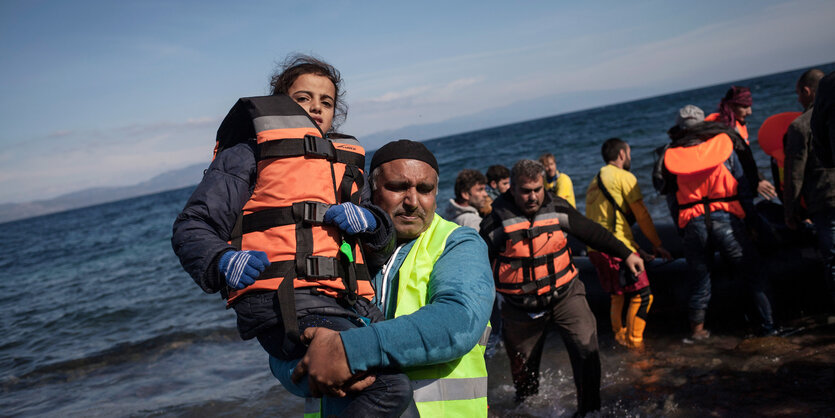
[296,65]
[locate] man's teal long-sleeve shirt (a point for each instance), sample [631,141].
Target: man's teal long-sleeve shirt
[460,299]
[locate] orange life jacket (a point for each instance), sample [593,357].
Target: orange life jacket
[704,182]
[300,174]
[741,129]
[535,258]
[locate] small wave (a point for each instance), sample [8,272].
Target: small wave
[133,352]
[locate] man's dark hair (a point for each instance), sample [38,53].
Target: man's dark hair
[810,78]
[466,180]
[296,65]
[497,173]
[528,169]
[611,148]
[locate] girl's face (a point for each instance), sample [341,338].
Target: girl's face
[316,94]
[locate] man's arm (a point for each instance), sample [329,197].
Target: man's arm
[590,233]
[460,298]
[201,230]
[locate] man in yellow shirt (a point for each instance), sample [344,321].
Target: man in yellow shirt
[615,206]
[558,183]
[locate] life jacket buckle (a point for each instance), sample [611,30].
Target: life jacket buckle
[530,287]
[314,212]
[318,147]
[319,267]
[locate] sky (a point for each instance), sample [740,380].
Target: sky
[110,93]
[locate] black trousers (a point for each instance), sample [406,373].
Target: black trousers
[524,337]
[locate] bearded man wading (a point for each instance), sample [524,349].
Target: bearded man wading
[536,281]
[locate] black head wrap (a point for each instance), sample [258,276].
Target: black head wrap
[403,149]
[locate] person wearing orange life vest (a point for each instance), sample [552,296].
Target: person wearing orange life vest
[274,223]
[734,109]
[611,199]
[712,196]
[536,281]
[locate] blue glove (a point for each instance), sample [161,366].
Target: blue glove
[242,267]
[350,218]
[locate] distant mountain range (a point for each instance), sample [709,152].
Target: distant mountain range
[168,180]
[191,175]
[530,109]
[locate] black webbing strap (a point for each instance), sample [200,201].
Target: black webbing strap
[316,267]
[534,285]
[352,175]
[310,213]
[530,262]
[630,217]
[531,233]
[287,304]
[309,146]
[706,201]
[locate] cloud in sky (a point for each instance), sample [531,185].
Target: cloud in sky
[755,44]
[116,96]
[122,155]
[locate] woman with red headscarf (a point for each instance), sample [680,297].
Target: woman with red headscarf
[734,108]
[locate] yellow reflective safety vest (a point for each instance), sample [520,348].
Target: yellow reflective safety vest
[312,407]
[457,388]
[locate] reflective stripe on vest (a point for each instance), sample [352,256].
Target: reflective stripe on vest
[300,175]
[535,258]
[454,388]
[704,183]
[312,407]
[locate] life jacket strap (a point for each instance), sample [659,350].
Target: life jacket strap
[309,146]
[534,285]
[531,262]
[531,233]
[309,213]
[706,201]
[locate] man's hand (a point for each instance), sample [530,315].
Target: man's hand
[326,365]
[662,252]
[635,263]
[766,189]
[647,257]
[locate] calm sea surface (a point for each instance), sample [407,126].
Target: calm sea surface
[100,319]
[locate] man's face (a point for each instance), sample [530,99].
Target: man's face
[406,190]
[476,196]
[742,112]
[550,167]
[528,194]
[501,186]
[627,163]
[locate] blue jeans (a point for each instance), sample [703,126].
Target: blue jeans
[389,395]
[825,227]
[727,235]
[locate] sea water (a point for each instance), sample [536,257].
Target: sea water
[101,320]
